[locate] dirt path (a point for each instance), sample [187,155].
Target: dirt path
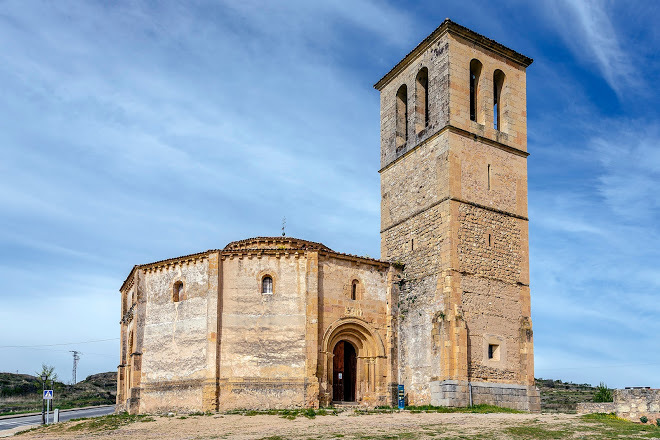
[348,426]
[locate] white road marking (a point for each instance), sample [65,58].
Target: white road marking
[36,420]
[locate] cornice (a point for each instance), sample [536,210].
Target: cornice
[462,132]
[449,26]
[297,253]
[237,249]
[171,262]
[129,281]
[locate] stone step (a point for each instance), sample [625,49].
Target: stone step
[345,405]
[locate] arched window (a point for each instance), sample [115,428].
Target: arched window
[267,285]
[401,116]
[422,100]
[498,85]
[177,291]
[354,289]
[475,72]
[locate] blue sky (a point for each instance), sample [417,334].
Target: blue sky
[136,131]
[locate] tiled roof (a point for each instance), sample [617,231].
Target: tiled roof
[294,243]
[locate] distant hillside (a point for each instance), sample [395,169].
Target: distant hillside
[22,392]
[558,396]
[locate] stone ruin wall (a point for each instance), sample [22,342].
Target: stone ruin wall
[634,403]
[630,404]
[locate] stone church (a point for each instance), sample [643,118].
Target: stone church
[275,322]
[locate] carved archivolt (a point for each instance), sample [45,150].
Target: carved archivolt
[358,332]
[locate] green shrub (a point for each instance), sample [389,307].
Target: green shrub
[657,422]
[643,419]
[603,394]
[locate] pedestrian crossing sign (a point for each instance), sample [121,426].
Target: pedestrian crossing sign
[48,394]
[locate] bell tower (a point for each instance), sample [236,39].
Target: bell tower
[454,212]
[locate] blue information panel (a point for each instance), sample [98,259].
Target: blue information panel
[402,396]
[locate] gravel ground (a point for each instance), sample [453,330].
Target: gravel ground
[345,425]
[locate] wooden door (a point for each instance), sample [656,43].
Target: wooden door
[344,372]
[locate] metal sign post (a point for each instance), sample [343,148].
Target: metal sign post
[48,396]
[402,397]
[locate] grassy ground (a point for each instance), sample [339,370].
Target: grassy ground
[21,393]
[350,425]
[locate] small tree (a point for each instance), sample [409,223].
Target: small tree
[603,394]
[48,371]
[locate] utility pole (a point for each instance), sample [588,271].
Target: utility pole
[76,358]
[43,400]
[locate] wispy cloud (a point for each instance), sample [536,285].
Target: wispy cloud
[630,157]
[587,28]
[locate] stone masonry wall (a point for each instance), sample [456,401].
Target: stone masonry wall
[460,194]
[513,130]
[421,243]
[174,364]
[596,407]
[436,60]
[488,176]
[492,314]
[263,346]
[415,231]
[413,184]
[370,312]
[490,244]
[634,403]
[629,404]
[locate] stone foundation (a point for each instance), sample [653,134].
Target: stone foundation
[457,393]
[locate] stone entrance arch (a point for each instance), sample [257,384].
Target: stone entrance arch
[371,369]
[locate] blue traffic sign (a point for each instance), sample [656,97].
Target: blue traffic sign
[48,394]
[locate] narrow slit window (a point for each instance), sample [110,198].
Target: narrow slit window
[490,240]
[401,116]
[267,285]
[354,289]
[412,244]
[498,84]
[177,291]
[475,72]
[488,176]
[422,100]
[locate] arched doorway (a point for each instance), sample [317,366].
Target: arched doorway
[344,370]
[352,347]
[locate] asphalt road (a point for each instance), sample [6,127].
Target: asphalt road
[15,422]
